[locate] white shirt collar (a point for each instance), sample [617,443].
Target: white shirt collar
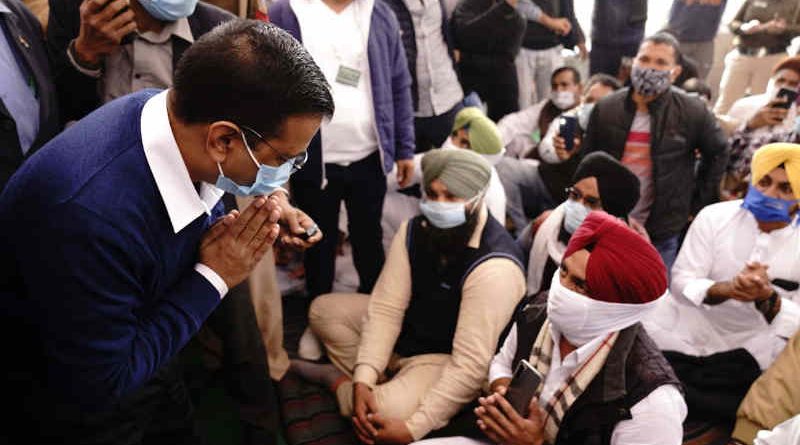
[182,201]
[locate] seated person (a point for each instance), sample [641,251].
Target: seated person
[731,308]
[532,187]
[760,119]
[774,399]
[522,131]
[599,183]
[472,130]
[605,381]
[410,356]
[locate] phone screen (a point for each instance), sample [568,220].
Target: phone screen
[523,386]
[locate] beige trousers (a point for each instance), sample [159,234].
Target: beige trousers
[337,320]
[266,297]
[744,74]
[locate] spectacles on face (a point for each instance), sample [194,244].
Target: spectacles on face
[592,202]
[297,162]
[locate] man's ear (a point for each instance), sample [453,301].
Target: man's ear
[676,72]
[222,137]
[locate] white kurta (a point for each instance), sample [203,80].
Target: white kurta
[720,241]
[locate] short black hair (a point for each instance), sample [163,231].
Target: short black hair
[251,73]
[603,79]
[697,85]
[576,75]
[665,38]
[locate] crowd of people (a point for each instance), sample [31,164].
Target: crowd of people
[632,236]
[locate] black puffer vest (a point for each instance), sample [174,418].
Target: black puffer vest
[634,368]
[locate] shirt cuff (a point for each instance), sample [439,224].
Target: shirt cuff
[94,73]
[696,291]
[213,278]
[365,374]
[499,371]
[419,425]
[787,321]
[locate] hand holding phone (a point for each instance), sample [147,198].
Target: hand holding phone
[104,26]
[523,386]
[785,98]
[567,126]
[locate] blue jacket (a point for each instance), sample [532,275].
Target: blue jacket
[391,88]
[618,22]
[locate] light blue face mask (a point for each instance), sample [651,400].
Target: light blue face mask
[169,10]
[446,215]
[574,214]
[268,178]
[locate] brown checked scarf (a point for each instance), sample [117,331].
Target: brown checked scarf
[573,387]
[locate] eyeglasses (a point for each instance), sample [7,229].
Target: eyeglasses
[297,162]
[576,195]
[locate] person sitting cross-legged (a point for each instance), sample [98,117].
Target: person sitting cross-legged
[410,356]
[604,380]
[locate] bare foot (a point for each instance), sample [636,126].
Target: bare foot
[323,374]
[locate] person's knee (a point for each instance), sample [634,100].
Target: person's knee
[334,309]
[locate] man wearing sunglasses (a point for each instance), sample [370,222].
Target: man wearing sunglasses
[123,214]
[599,183]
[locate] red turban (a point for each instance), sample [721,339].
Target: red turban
[623,267]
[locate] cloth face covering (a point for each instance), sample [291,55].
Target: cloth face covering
[581,319]
[649,81]
[268,178]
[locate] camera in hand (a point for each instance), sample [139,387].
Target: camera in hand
[523,386]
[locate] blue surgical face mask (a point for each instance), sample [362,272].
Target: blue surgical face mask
[268,178]
[169,10]
[766,208]
[574,214]
[446,215]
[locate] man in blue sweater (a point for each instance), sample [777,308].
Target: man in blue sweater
[119,249]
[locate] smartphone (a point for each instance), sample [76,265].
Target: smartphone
[790,95]
[567,125]
[523,386]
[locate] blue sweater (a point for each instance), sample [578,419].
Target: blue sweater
[391,88]
[106,289]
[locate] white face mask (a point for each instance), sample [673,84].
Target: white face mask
[563,100]
[581,319]
[574,214]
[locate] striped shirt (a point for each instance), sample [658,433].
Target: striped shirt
[637,158]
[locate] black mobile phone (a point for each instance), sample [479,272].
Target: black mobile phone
[789,94]
[523,386]
[567,125]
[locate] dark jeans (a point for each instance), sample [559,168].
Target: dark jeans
[158,413]
[496,84]
[431,132]
[607,58]
[668,249]
[362,187]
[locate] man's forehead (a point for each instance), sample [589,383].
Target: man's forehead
[655,49]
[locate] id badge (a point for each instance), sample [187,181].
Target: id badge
[348,76]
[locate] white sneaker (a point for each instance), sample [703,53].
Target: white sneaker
[309,347]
